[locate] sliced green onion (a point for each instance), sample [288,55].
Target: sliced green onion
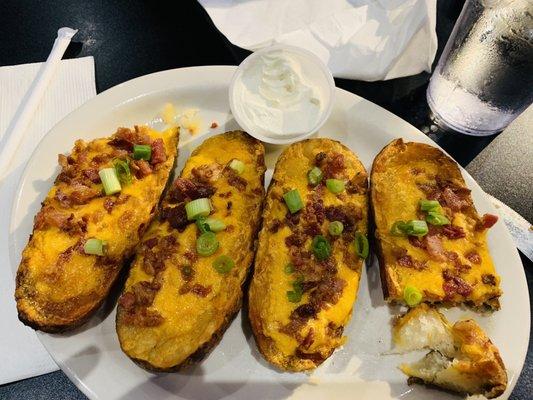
[314,176]
[237,166]
[335,185]
[429,205]
[95,247]
[361,245]
[321,247]
[203,227]
[215,225]
[198,208]
[412,296]
[142,152]
[289,269]
[435,218]
[122,169]
[398,228]
[295,295]
[293,200]
[335,228]
[206,244]
[416,227]
[223,264]
[110,181]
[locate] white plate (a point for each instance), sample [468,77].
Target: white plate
[91,356]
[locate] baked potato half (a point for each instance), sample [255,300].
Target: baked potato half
[431,241]
[184,287]
[81,236]
[462,358]
[307,268]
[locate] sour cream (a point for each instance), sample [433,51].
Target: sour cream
[281,93]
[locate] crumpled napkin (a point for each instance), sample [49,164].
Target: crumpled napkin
[357,39]
[23,356]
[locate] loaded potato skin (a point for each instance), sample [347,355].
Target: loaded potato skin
[60,281]
[430,239]
[307,274]
[181,295]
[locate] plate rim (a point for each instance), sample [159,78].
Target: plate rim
[107,95]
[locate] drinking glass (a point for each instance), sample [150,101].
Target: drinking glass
[484,78]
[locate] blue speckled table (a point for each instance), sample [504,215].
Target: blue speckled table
[110,32]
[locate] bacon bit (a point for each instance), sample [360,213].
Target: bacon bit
[305,311]
[144,292]
[127,301]
[153,262]
[320,157]
[488,279]
[49,216]
[200,291]
[297,239]
[82,194]
[62,198]
[328,291]
[143,317]
[312,229]
[408,262]
[473,256]
[207,173]
[275,225]
[358,184]
[186,190]
[416,242]
[176,217]
[453,284]
[158,152]
[453,232]
[214,125]
[125,138]
[125,218]
[151,243]
[141,168]
[191,256]
[451,255]
[415,171]
[345,214]
[92,175]
[334,166]
[226,195]
[488,221]
[235,180]
[434,247]
[111,201]
[453,201]
[292,219]
[334,331]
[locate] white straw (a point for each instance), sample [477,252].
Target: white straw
[32,99]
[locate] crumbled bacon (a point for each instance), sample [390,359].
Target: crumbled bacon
[417,242]
[185,190]
[153,261]
[142,317]
[200,290]
[434,247]
[214,125]
[235,180]
[308,340]
[125,138]
[151,243]
[92,175]
[49,216]
[141,168]
[292,219]
[408,262]
[305,311]
[320,157]
[329,291]
[158,152]
[333,166]
[473,256]
[488,279]
[296,239]
[127,300]
[453,232]
[207,173]
[453,284]
[487,221]
[111,201]
[176,216]
[275,225]
[348,215]
[453,201]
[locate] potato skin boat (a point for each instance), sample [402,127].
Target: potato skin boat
[59,286]
[175,306]
[300,335]
[451,264]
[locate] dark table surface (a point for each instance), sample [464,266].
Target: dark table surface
[132,38]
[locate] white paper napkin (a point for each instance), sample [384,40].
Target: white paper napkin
[357,39]
[23,356]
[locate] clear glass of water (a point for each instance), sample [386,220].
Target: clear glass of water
[484,78]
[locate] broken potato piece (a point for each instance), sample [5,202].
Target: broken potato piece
[461,359]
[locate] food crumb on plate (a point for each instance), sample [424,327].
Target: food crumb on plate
[214,125]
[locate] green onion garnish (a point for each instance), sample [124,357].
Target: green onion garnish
[223,264]
[335,185]
[206,244]
[335,228]
[321,247]
[198,208]
[295,295]
[122,169]
[110,181]
[289,269]
[412,296]
[429,205]
[237,166]
[215,225]
[95,247]
[203,227]
[414,227]
[361,245]
[293,200]
[398,228]
[142,152]
[435,218]
[314,176]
